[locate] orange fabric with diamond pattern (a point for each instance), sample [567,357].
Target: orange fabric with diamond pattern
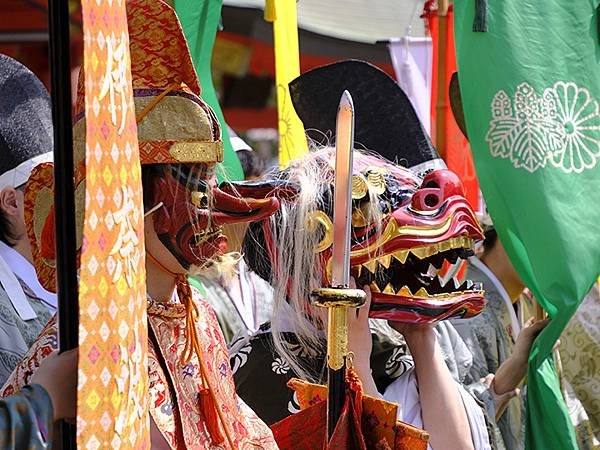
[113,377]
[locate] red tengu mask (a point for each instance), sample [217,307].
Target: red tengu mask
[193,208]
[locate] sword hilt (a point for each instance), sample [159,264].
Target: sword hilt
[337,300]
[338,296]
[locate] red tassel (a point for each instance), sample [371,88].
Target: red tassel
[206,397]
[211,417]
[354,389]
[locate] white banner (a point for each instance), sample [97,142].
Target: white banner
[412,59]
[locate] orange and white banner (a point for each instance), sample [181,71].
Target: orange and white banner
[113,372]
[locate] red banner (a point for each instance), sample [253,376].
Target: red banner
[449,140]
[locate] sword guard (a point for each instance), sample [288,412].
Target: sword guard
[338,296]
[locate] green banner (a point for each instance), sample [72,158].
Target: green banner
[530,87]
[200,19]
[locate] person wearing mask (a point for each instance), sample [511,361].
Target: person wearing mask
[191,394]
[242,300]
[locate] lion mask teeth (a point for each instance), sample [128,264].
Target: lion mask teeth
[413,272]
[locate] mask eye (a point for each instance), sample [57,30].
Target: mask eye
[361,216]
[199,199]
[358,218]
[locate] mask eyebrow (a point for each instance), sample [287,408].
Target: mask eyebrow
[190,176]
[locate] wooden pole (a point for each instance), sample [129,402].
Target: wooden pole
[64,192]
[443,7]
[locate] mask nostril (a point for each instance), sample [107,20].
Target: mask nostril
[431,200]
[432,184]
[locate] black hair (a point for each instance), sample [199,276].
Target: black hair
[252,164]
[490,238]
[7,233]
[149,171]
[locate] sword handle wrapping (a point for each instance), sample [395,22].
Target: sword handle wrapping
[337,337]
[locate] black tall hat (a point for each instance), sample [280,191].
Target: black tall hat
[26,134]
[385,120]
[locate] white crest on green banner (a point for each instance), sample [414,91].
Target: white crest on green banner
[557,127]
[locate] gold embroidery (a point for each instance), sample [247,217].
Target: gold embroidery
[43,203]
[173,118]
[127,259]
[197,152]
[115,78]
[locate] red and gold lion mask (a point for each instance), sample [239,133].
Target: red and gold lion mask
[406,222]
[404,228]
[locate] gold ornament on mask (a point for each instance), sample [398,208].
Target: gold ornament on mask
[359,219]
[376,180]
[360,188]
[199,199]
[315,219]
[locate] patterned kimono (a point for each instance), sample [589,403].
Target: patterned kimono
[261,374]
[580,354]
[490,337]
[173,387]
[16,334]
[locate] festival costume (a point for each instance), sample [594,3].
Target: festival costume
[405,224]
[256,358]
[240,311]
[580,352]
[491,337]
[192,396]
[18,335]
[25,141]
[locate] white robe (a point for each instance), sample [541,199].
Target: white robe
[405,392]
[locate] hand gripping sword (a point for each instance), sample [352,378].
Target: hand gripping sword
[338,298]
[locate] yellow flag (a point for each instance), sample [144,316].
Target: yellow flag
[292,139]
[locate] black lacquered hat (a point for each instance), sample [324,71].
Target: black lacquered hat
[385,120]
[26,136]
